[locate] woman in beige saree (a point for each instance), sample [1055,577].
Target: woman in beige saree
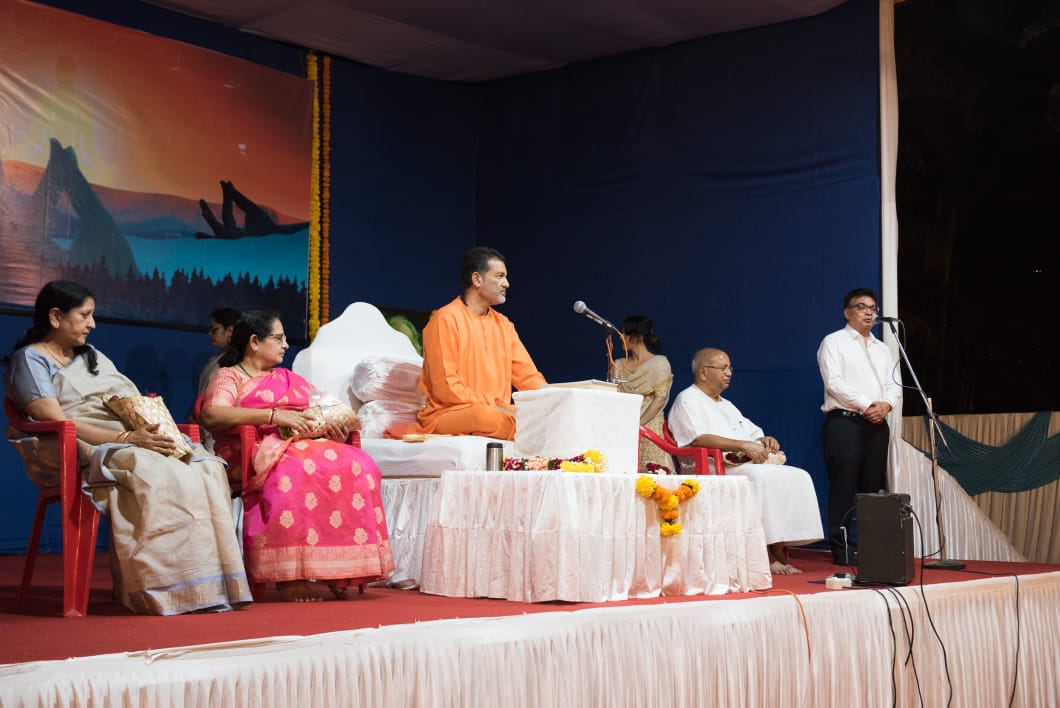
[645,371]
[173,543]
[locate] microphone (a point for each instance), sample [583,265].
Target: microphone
[581,308]
[880,318]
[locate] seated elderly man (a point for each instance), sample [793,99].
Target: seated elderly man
[700,417]
[472,356]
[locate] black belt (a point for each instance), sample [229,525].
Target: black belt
[845,413]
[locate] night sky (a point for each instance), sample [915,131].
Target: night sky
[979,202]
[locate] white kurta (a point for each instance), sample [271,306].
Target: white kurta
[789,503]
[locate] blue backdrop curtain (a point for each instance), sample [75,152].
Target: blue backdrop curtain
[728,187]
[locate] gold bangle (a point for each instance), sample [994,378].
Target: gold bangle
[122,437]
[272,415]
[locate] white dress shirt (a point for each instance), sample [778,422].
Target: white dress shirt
[857,371]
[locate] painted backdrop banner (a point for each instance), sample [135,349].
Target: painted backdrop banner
[168,179]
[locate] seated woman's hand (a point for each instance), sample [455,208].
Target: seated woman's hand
[299,422]
[149,438]
[337,430]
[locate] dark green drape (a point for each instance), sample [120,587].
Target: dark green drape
[1027,461]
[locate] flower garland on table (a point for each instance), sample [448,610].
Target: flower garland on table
[588,461]
[667,500]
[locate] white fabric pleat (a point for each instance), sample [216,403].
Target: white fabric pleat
[543,536]
[969,532]
[407,506]
[696,654]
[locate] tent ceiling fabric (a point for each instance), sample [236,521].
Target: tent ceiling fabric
[478,40]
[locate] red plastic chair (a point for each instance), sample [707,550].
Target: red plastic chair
[80,517]
[700,457]
[248,436]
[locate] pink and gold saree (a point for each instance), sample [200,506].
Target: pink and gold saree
[313,509]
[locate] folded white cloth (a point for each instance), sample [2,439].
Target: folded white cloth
[377,416]
[387,378]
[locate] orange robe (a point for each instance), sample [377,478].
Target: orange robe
[470,363]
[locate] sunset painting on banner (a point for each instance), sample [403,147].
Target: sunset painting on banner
[164,177]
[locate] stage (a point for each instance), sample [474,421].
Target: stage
[798,644]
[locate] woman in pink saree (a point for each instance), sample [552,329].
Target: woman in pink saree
[313,506]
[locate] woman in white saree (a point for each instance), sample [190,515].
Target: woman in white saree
[174,548]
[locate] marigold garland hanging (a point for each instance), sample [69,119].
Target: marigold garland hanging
[314,202]
[667,500]
[325,191]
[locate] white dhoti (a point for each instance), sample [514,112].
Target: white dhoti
[789,504]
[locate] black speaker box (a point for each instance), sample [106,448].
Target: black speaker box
[885,539]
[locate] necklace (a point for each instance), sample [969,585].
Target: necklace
[60,358]
[250,375]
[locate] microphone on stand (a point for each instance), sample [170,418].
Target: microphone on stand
[880,318]
[581,308]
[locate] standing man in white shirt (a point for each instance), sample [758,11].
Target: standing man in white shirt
[861,386]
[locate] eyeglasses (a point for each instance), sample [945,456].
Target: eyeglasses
[215,328]
[719,368]
[281,337]
[862,307]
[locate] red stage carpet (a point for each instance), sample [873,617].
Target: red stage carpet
[37,631]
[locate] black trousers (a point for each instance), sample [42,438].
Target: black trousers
[855,452]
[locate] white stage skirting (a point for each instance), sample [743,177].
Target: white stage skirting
[603,545]
[543,536]
[751,652]
[407,506]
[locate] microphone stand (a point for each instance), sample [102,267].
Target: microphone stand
[612,375]
[933,426]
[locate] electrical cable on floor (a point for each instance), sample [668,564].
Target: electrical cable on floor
[894,648]
[931,620]
[802,611]
[907,624]
[910,636]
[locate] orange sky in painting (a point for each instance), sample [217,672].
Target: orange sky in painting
[152,115]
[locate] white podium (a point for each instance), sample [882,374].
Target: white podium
[564,422]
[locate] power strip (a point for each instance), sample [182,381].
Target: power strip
[837,583]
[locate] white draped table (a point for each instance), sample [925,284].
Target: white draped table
[542,536]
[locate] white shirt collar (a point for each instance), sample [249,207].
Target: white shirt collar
[855,335]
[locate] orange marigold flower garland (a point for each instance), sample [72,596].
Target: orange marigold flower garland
[314,202]
[325,192]
[668,500]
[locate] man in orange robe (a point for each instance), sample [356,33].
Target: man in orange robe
[472,356]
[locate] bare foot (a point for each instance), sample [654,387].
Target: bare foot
[297,591]
[778,568]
